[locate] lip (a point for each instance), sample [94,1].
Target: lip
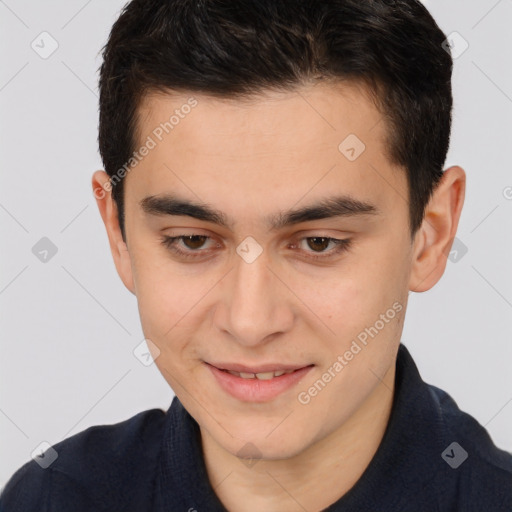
[255,390]
[269,367]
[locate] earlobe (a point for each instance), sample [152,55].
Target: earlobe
[435,237]
[102,190]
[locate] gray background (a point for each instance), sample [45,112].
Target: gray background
[69,327]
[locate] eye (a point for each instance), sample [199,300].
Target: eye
[319,244]
[192,244]
[190,247]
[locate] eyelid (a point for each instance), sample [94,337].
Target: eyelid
[341,245]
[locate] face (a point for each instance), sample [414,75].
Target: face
[270,233]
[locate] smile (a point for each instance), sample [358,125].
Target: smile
[260,376]
[261,386]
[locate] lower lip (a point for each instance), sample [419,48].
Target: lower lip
[255,390]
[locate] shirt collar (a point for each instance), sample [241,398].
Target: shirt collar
[414,439]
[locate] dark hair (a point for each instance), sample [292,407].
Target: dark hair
[239,48]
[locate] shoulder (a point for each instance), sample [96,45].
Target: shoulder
[483,471]
[94,469]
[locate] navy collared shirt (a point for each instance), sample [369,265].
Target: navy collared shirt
[433,458]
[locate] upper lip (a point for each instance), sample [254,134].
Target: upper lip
[262,368]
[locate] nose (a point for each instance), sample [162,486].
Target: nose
[257,304]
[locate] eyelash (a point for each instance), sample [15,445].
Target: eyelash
[341,246]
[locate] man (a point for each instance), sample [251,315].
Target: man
[274,189]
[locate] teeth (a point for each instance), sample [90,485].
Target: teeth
[260,376]
[265,376]
[243,375]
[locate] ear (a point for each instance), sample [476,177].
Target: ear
[434,239]
[102,190]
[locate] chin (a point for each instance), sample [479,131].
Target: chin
[260,445]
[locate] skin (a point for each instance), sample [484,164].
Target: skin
[251,159]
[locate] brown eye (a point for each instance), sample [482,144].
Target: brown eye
[323,248]
[318,244]
[187,247]
[194,241]
[191,247]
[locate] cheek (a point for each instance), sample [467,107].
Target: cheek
[353,298]
[165,296]
[350,302]
[168,309]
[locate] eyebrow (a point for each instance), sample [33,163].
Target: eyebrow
[335,206]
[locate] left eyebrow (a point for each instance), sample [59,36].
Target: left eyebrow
[335,206]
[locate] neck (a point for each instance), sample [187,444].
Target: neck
[313,479]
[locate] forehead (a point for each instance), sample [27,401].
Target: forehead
[319,114]
[276,146]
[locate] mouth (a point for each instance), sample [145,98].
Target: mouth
[252,384]
[260,369]
[260,376]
